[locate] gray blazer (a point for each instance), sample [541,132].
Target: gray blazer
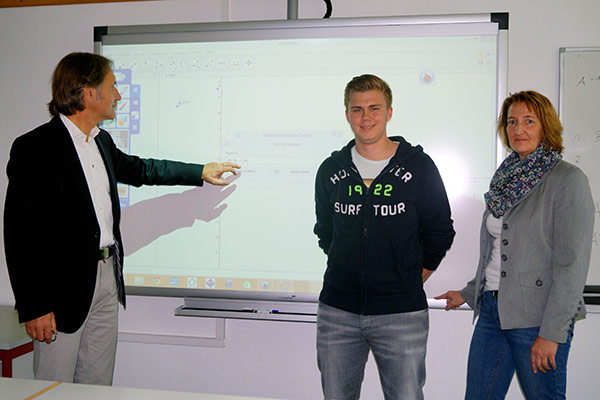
[545,255]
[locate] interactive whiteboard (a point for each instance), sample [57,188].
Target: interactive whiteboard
[269,96]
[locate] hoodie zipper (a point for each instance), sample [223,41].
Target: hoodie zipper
[365,235]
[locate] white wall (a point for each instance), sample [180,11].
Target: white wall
[275,359]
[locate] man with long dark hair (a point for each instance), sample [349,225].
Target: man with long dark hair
[61,222]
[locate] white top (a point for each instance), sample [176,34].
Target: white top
[368,169]
[96,177]
[492,270]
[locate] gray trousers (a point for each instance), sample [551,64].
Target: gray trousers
[88,355]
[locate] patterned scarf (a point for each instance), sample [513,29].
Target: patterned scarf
[515,178]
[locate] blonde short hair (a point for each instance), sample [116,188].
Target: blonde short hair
[365,83]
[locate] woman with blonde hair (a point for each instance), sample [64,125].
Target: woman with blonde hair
[535,245]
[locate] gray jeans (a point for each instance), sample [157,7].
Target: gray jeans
[398,343]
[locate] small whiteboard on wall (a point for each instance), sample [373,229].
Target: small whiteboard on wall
[579,111]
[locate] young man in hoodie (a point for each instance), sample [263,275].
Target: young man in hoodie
[383,219]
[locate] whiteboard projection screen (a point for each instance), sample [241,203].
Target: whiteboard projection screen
[269,96]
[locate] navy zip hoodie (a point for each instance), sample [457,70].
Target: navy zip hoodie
[379,239]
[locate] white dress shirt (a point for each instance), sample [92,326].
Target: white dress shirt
[96,177]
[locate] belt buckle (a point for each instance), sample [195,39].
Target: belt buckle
[104,253]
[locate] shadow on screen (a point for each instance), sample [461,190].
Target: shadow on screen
[147,220]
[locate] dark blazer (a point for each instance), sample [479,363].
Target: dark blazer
[51,233]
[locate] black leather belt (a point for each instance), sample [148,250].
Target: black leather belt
[494,293]
[106,252]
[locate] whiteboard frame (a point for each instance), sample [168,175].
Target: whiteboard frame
[214,303]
